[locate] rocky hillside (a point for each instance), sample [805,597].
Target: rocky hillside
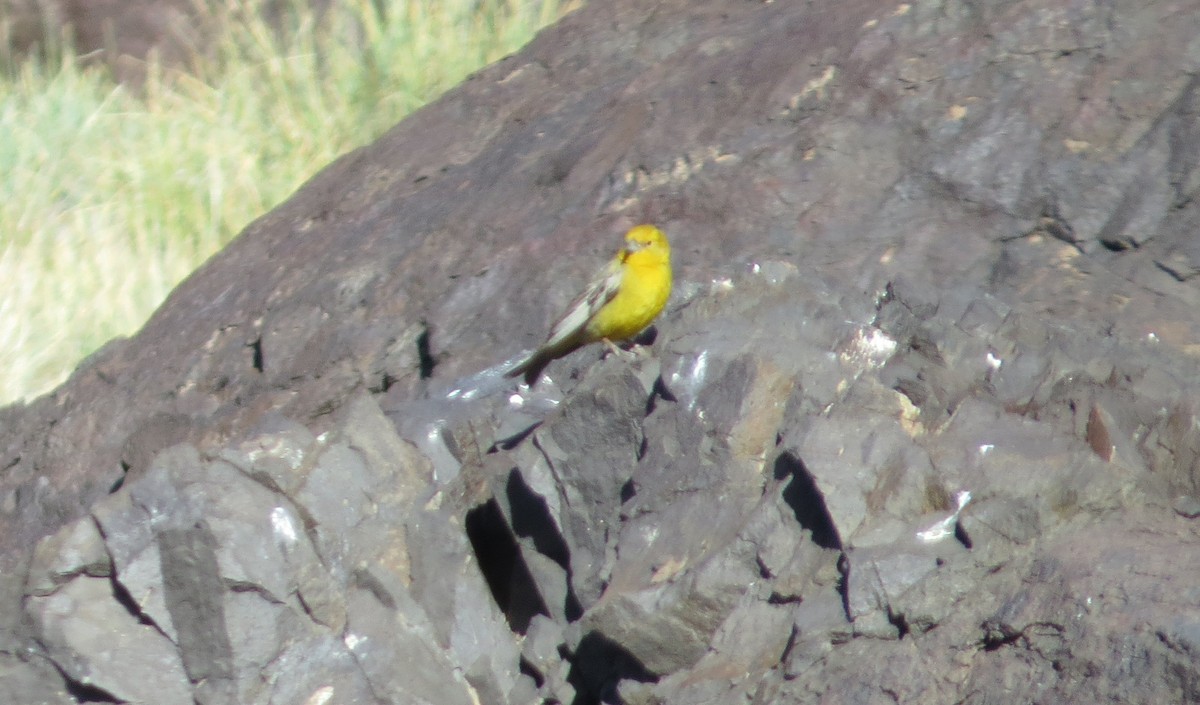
[919,424]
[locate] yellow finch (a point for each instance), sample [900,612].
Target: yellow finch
[622,300]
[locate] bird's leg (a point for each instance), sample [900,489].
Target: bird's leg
[633,353]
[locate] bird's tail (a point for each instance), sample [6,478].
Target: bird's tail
[532,367]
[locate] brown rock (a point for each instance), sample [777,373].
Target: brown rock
[916,246]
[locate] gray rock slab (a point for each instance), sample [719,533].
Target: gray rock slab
[450,588]
[318,668]
[98,643]
[76,549]
[358,491]
[260,631]
[402,664]
[591,446]
[32,680]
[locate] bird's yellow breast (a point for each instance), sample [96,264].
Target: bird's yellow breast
[644,290]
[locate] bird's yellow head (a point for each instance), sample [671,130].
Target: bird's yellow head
[649,240]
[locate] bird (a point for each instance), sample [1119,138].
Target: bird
[622,299]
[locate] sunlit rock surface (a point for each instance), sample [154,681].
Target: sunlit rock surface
[919,424]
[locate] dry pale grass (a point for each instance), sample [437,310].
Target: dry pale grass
[109,197]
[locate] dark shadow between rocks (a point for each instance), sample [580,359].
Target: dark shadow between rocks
[628,491]
[900,622]
[806,501]
[843,585]
[120,481]
[598,665]
[528,669]
[87,693]
[426,361]
[531,520]
[510,442]
[256,355]
[500,561]
[646,338]
[961,535]
[124,599]
[659,391]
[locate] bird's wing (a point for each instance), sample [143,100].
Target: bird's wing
[602,290]
[567,333]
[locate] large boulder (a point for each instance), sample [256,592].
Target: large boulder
[918,425]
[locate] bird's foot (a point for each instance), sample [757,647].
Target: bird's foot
[632,353]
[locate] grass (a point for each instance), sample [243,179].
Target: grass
[109,196]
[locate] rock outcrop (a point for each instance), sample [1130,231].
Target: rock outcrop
[919,424]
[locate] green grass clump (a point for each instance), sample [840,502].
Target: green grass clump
[110,195]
